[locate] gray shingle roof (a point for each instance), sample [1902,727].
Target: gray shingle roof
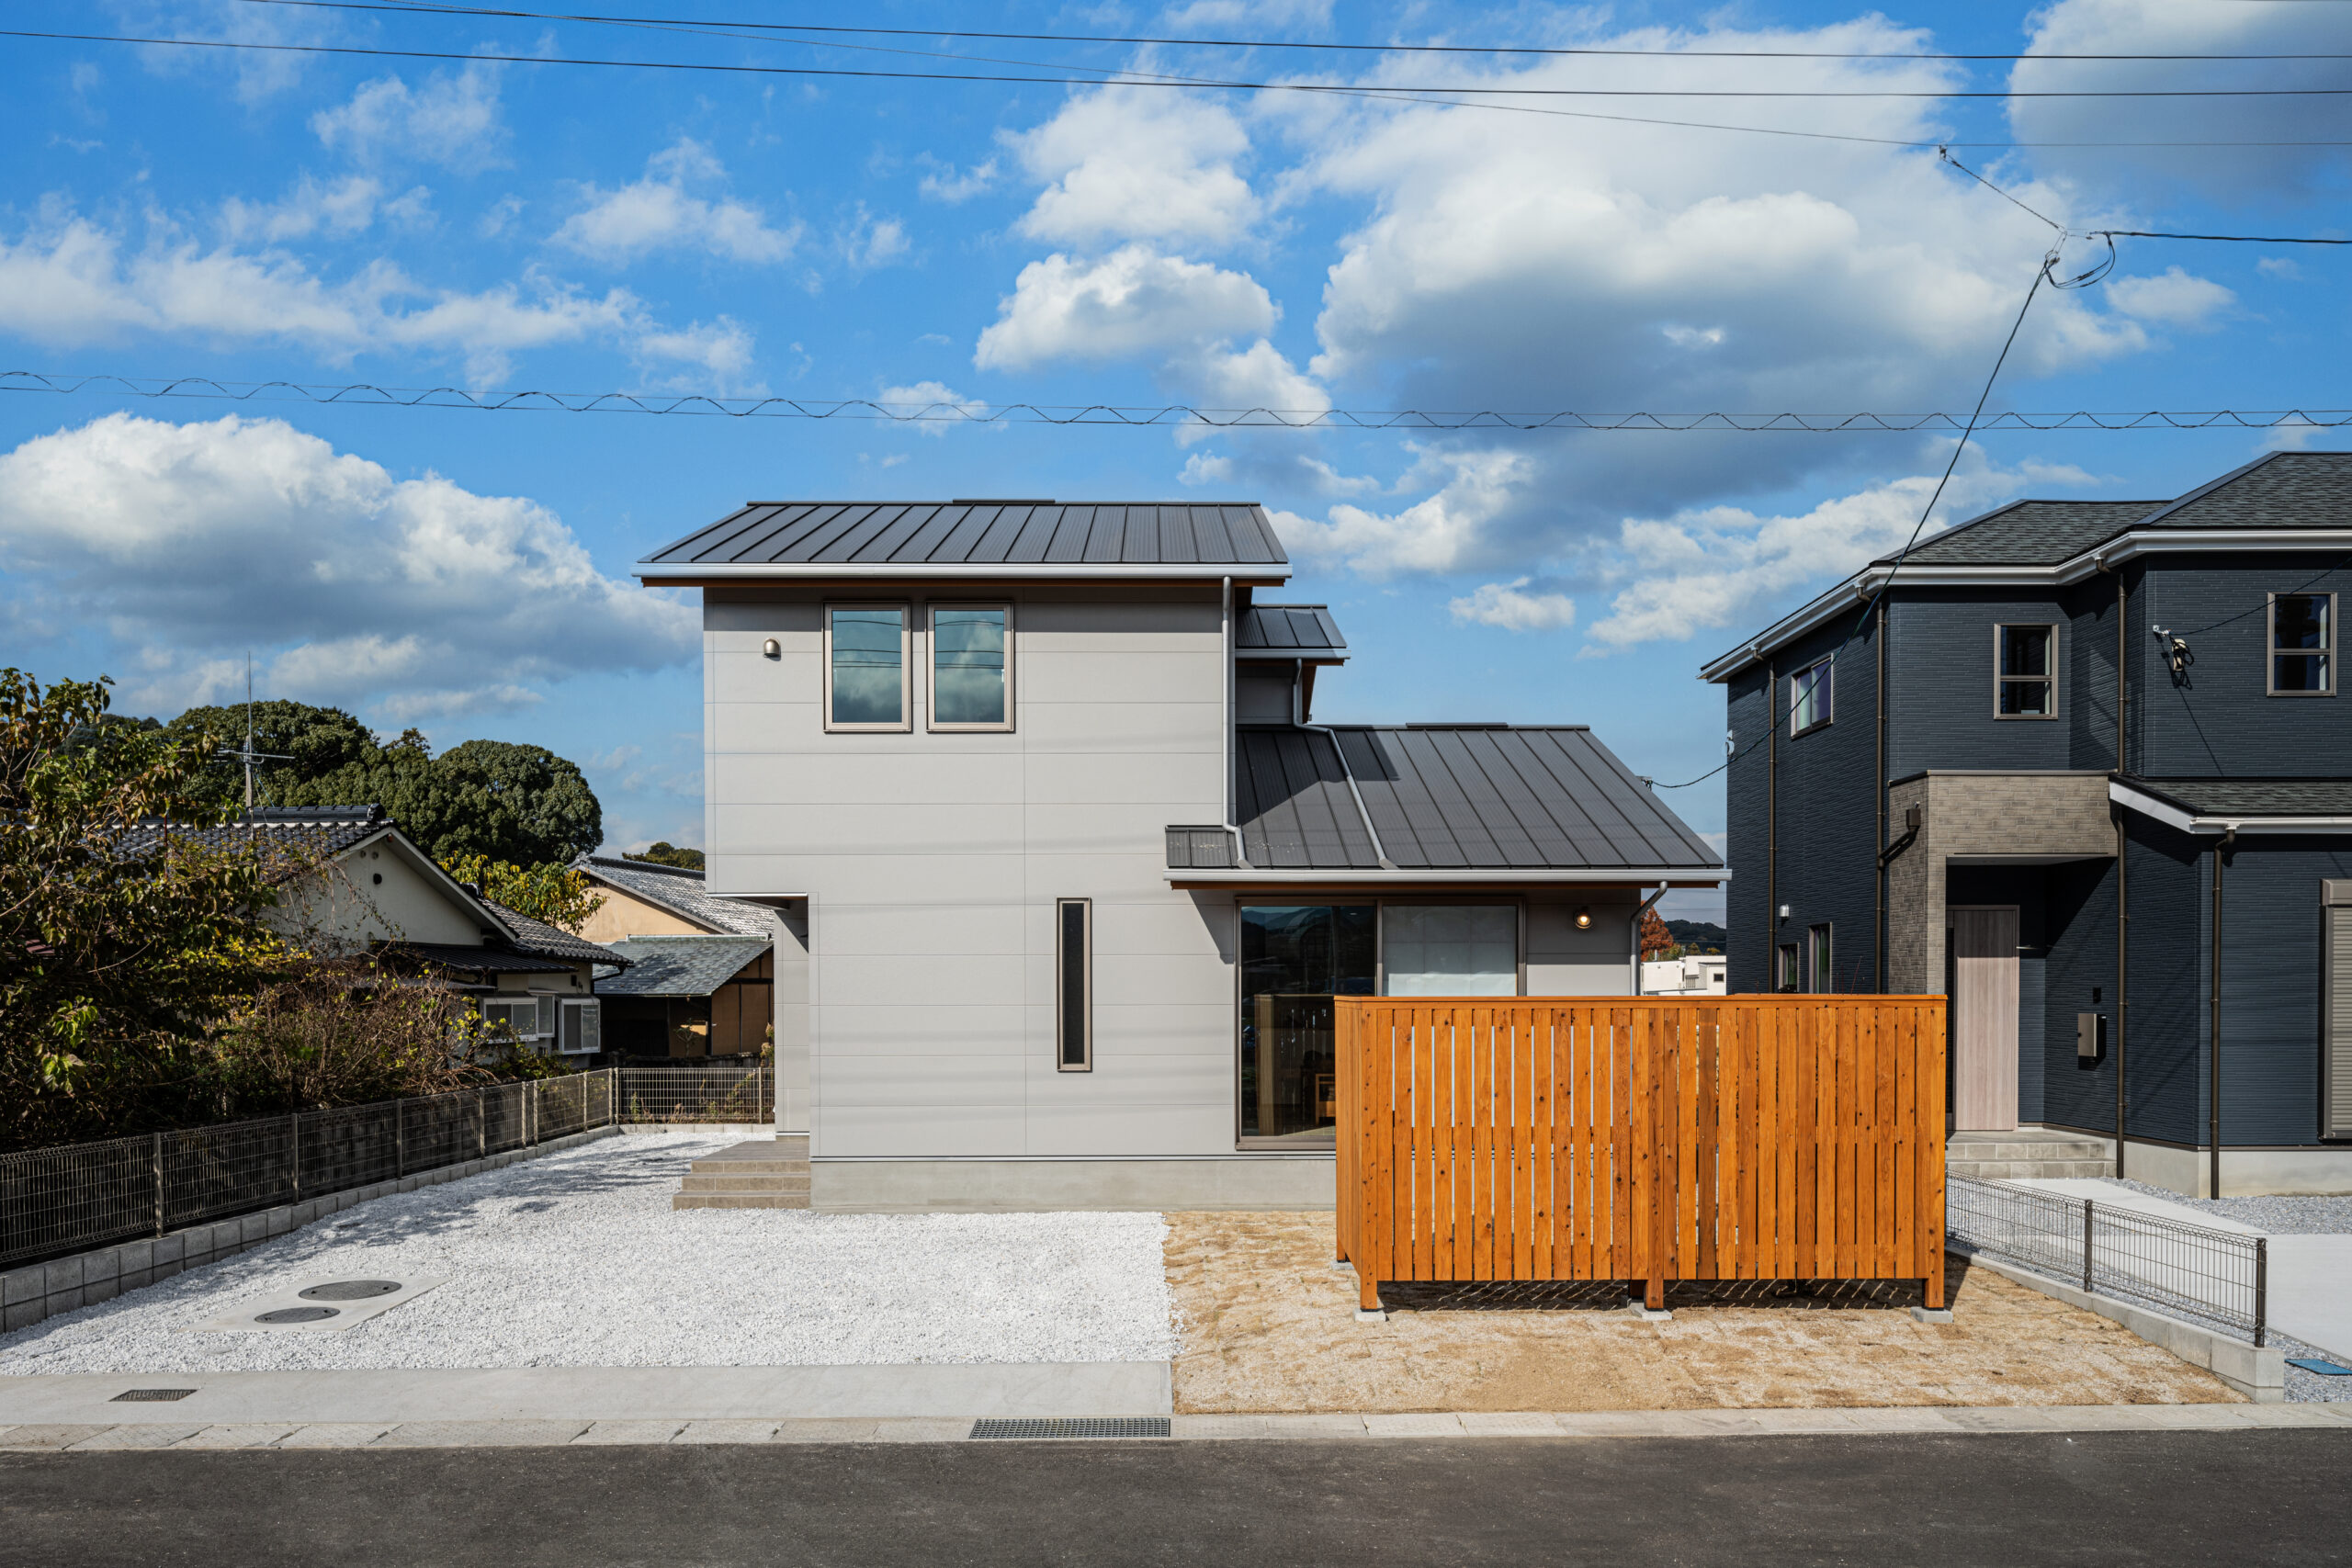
[2253,797]
[975,532]
[481,960]
[2030,533]
[680,891]
[1290,631]
[2284,490]
[1473,797]
[312,831]
[679,965]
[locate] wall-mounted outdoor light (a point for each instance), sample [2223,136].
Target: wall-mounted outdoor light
[771,649]
[1784,911]
[1584,920]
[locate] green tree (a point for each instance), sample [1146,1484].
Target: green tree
[317,741]
[121,945]
[523,804]
[552,892]
[663,853]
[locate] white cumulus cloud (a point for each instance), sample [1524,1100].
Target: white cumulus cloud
[452,120]
[1126,164]
[1510,606]
[2171,299]
[931,406]
[1133,301]
[663,212]
[187,543]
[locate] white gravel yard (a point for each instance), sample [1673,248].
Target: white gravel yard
[576,1259]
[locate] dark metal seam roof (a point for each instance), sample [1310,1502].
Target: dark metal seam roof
[806,533]
[1288,629]
[1296,810]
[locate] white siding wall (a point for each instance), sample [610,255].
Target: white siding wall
[931,863]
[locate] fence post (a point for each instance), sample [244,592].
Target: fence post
[157,1159]
[533,1130]
[2261,1289]
[294,1139]
[482,1122]
[2088,1207]
[399,1142]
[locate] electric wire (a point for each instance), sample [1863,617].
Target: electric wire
[1531,49]
[361,394]
[1221,84]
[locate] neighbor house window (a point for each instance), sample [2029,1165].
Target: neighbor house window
[1784,967]
[1074,985]
[517,1015]
[1809,697]
[2302,645]
[1817,958]
[971,667]
[582,1032]
[1295,959]
[866,666]
[1450,949]
[2025,671]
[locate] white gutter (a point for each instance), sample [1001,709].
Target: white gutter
[1694,876]
[2108,553]
[2173,817]
[959,572]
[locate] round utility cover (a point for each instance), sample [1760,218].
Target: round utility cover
[299,1314]
[349,1290]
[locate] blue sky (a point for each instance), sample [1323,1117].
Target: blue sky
[505,227]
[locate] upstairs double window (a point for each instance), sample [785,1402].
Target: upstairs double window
[2025,671]
[2302,645]
[869,667]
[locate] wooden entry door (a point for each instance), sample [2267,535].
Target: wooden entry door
[1984,1018]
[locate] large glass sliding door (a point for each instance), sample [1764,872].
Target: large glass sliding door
[1295,959]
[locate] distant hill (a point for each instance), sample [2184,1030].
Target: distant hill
[1703,935]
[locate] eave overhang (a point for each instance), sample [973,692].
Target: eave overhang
[1460,876]
[688,574]
[2128,547]
[2173,815]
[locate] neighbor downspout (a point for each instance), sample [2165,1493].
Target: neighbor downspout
[1647,905]
[2213,1094]
[2122,876]
[1878,929]
[1771,824]
[1224,610]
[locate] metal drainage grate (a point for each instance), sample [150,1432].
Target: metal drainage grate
[297,1314]
[349,1290]
[150,1395]
[1071,1427]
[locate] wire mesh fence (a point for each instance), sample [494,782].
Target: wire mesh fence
[65,1199]
[699,1091]
[2218,1278]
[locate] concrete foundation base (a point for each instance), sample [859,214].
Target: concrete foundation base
[1649,1314]
[1932,1315]
[2245,1172]
[937,1186]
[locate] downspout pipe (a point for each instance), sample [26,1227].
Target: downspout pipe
[2122,873]
[2221,852]
[1225,626]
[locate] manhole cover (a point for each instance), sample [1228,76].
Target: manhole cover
[349,1290]
[297,1314]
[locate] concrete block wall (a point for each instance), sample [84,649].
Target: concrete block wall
[39,1291]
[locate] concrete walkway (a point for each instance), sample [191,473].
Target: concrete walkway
[2310,1276]
[646,1430]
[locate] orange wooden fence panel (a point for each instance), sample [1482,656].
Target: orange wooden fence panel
[1642,1138]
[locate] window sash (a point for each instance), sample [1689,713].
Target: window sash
[2302,658]
[866,647]
[1811,696]
[963,662]
[2025,670]
[1074,985]
[1448,950]
[1819,959]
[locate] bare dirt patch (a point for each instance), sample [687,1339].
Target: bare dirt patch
[1267,1324]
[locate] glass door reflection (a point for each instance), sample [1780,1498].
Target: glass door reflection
[1295,959]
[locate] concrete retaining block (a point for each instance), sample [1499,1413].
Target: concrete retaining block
[2259,1374]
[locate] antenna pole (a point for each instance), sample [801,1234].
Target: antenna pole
[249,733]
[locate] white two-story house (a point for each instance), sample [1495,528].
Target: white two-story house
[1038,789]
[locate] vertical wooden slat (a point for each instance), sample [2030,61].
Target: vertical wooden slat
[1934,1041]
[1530,1126]
[1754,1186]
[1817,1037]
[1907,1262]
[1589,1081]
[1850,1078]
[1887,1137]
[1707,1108]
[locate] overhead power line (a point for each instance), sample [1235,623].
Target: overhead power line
[1143,416]
[1538,50]
[1114,78]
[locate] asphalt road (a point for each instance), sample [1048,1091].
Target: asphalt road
[2247,1498]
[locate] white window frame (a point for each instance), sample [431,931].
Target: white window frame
[2272,652]
[905,721]
[931,684]
[591,1010]
[507,1004]
[1085,979]
[1825,689]
[2000,680]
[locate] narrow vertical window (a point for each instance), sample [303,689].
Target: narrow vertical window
[971,667]
[1818,957]
[1810,697]
[2025,671]
[1784,971]
[1074,985]
[2302,642]
[866,666]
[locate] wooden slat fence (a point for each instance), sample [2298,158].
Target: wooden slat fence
[1650,1138]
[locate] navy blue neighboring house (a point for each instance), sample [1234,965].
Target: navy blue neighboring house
[2086,767]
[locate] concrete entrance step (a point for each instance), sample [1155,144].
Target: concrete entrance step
[2028,1152]
[763,1173]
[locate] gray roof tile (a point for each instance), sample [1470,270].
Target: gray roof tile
[2029,532]
[978,534]
[680,891]
[2253,797]
[679,965]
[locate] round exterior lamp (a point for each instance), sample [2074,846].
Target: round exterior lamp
[771,649]
[1584,920]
